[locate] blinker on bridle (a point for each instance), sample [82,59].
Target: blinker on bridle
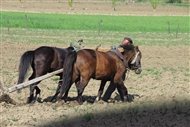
[135,59]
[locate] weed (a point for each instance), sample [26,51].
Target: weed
[153,71]
[88,116]
[13,118]
[56,79]
[134,109]
[155,87]
[52,88]
[11,59]
[187,74]
[34,119]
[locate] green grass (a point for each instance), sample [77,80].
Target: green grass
[90,22]
[91,38]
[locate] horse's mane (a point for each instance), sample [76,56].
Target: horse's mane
[128,47]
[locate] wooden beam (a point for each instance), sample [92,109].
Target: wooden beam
[26,84]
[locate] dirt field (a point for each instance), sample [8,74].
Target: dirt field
[159,96]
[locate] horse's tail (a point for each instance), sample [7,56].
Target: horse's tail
[68,72]
[25,62]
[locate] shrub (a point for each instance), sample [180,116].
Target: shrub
[173,1]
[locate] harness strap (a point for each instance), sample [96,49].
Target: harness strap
[115,50]
[118,53]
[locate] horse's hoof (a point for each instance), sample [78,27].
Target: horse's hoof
[111,101]
[53,100]
[97,99]
[64,102]
[80,102]
[39,100]
[100,102]
[30,101]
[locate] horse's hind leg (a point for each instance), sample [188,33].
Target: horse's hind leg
[37,93]
[100,91]
[33,87]
[54,98]
[65,97]
[33,98]
[80,88]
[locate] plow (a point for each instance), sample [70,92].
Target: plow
[4,97]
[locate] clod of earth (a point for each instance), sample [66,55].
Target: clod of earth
[6,98]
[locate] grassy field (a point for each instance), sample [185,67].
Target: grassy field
[63,29]
[92,38]
[95,22]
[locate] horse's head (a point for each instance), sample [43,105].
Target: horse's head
[133,56]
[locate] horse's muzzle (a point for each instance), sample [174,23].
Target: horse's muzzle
[138,71]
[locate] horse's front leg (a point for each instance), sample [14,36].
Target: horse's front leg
[100,91]
[123,92]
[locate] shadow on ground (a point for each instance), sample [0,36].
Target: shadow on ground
[175,114]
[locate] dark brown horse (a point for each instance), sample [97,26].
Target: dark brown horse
[81,66]
[42,60]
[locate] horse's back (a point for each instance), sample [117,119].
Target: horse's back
[95,64]
[43,53]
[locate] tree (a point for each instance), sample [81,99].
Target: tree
[154,4]
[22,2]
[113,4]
[70,2]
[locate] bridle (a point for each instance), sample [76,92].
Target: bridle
[135,60]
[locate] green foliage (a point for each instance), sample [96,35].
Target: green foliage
[173,1]
[70,2]
[154,3]
[113,4]
[182,3]
[21,1]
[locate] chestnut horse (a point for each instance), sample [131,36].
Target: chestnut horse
[42,60]
[81,66]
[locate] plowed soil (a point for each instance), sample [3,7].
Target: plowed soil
[159,96]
